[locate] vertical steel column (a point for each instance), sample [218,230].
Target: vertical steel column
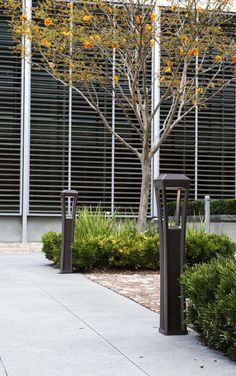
[156,69]
[70,109]
[235,139]
[196,139]
[207,214]
[113,128]
[26,98]
[113,137]
[196,131]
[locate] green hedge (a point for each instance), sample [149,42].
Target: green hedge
[52,246]
[211,306]
[202,246]
[138,251]
[218,207]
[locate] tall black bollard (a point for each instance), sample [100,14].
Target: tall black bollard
[68,201]
[172,250]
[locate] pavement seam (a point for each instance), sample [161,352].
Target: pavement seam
[85,323]
[3,366]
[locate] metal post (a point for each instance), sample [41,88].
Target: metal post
[172,245]
[113,136]
[26,98]
[156,69]
[207,214]
[68,224]
[196,121]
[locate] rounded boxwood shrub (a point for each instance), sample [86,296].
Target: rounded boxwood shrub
[202,246]
[211,300]
[87,253]
[52,246]
[137,252]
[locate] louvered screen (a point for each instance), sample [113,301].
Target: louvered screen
[91,168]
[48,143]
[128,175]
[10,122]
[216,144]
[127,168]
[91,153]
[216,159]
[216,124]
[177,154]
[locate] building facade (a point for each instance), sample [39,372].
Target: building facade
[40,155]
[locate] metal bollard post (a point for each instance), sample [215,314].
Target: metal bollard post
[68,200]
[172,247]
[207,214]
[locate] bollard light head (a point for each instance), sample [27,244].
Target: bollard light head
[69,193]
[69,201]
[172,181]
[172,187]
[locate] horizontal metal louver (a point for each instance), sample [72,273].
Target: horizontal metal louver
[48,143]
[177,154]
[91,153]
[91,158]
[216,141]
[127,179]
[10,123]
[127,172]
[216,151]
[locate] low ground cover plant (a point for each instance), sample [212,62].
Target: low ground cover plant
[211,292]
[102,240]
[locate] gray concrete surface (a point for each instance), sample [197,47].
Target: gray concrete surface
[65,325]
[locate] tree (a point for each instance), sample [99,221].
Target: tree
[92,45]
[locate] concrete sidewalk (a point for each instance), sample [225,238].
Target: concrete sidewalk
[65,325]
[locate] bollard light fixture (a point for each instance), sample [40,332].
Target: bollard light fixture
[68,201]
[172,232]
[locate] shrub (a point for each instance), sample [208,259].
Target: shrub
[202,246]
[85,253]
[211,292]
[102,241]
[137,252]
[194,207]
[197,207]
[52,246]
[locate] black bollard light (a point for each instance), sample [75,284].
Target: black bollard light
[68,201]
[172,250]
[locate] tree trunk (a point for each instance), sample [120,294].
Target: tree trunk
[144,196]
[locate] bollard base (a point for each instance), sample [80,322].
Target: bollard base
[65,272]
[181,332]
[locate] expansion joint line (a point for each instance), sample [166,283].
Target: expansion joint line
[3,366]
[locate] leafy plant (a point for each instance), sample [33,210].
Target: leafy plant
[202,246]
[52,246]
[96,222]
[211,292]
[137,252]
[103,241]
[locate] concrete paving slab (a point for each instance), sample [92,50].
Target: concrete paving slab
[64,324]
